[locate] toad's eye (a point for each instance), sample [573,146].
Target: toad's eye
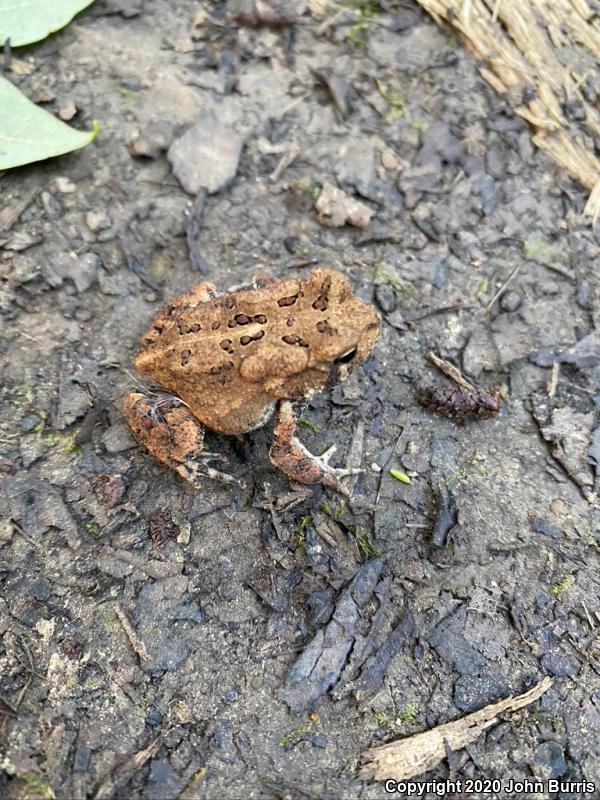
[346,358]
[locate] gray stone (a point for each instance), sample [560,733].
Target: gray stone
[163,781]
[31,448]
[549,761]
[82,270]
[118,438]
[510,301]
[73,403]
[385,297]
[207,155]
[556,662]
[475,691]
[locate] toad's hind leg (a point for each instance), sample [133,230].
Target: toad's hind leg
[172,435]
[292,457]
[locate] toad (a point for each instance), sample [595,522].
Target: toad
[230,361]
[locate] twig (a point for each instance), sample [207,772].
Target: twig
[134,640]
[553,383]
[503,287]
[27,335]
[587,613]
[383,472]
[284,162]
[561,270]
[10,216]
[414,755]
[450,370]
[124,772]
[31,667]
[355,454]
[18,528]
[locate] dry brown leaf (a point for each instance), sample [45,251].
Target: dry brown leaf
[533,51]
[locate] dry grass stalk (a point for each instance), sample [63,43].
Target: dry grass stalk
[539,53]
[405,758]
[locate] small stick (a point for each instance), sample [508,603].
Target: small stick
[125,771]
[553,383]
[503,287]
[403,428]
[31,667]
[450,370]
[27,336]
[19,529]
[403,758]
[138,646]
[561,270]
[284,162]
[10,216]
[587,613]
[354,458]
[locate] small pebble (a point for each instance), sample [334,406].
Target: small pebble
[67,110]
[118,438]
[389,160]
[154,717]
[548,287]
[28,423]
[319,740]
[65,185]
[81,759]
[583,294]
[558,507]
[510,301]
[541,602]
[97,220]
[549,761]
[544,527]
[559,664]
[385,297]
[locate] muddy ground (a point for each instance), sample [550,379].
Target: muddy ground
[149,629]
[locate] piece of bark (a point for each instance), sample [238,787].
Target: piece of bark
[405,758]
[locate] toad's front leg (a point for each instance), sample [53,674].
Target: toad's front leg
[298,463]
[172,435]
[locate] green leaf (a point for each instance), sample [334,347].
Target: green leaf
[400,476]
[27,21]
[28,133]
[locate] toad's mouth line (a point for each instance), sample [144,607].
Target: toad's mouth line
[346,357]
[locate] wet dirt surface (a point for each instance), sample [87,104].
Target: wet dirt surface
[162,642]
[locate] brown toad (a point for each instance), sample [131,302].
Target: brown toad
[230,359]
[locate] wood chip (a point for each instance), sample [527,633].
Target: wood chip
[284,162]
[405,758]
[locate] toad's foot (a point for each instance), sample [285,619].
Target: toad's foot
[172,435]
[298,463]
[193,473]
